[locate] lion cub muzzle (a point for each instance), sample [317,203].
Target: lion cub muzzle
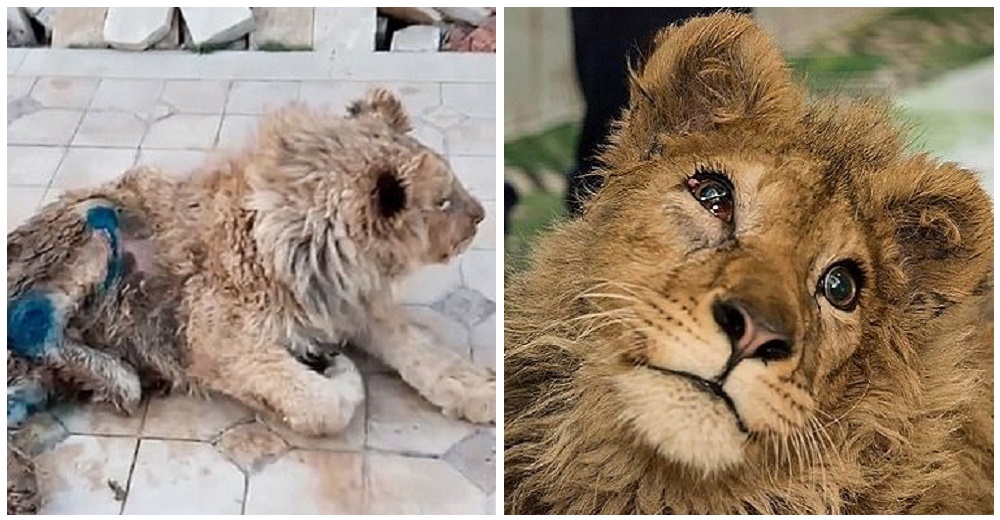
[749,336]
[462,230]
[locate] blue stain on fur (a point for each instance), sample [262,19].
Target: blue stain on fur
[32,325]
[24,400]
[105,220]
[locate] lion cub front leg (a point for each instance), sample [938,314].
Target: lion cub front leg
[441,376]
[275,382]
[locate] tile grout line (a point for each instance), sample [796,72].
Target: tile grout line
[147,123]
[52,178]
[246,493]
[223,113]
[69,144]
[135,457]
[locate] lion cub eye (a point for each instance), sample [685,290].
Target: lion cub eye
[714,192]
[444,204]
[839,286]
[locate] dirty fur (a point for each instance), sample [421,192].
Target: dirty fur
[22,486]
[881,408]
[243,273]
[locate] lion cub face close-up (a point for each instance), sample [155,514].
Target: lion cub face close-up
[770,306]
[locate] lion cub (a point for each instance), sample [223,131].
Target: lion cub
[770,307]
[237,278]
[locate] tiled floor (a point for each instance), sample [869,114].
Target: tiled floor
[78,117]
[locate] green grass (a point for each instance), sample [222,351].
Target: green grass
[828,71]
[548,153]
[553,150]
[940,15]
[955,55]
[936,54]
[535,212]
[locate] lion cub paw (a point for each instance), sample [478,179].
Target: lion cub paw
[119,387]
[467,392]
[332,404]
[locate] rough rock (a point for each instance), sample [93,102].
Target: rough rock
[287,27]
[417,38]
[344,29]
[172,40]
[45,16]
[418,15]
[463,38]
[216,25]
[136,28]
[470,15]
[381,33]
[19,32]
[240,44]
[79,27]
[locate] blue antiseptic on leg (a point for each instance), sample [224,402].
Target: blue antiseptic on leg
[24,400]
[33,325]
[105,219]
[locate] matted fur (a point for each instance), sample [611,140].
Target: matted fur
[886,408]
[244,273]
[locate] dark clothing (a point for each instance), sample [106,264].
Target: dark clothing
[604,38]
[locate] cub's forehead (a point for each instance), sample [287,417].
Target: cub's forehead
[795,190]
[796,179]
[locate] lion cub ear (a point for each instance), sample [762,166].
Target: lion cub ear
[393,185]
[383,104]
[389,197]
[705,74]
[942,229]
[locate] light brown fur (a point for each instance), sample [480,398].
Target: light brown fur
[886,408]
[285,248]
[245,272]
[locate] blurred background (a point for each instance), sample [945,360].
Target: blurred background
[937,63]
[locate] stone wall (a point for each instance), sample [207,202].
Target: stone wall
[207,29]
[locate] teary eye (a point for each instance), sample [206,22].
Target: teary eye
[840,285]
[715,193]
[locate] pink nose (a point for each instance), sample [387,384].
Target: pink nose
[750,339]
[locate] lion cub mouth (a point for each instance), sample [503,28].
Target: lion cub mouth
[711,388]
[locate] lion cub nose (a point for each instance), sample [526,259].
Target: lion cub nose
[749,337]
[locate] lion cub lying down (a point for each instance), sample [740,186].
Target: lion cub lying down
[769,307]
[238,278]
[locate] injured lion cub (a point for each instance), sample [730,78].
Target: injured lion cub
[238,278]
[770,307]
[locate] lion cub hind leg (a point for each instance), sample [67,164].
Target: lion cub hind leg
[64,257]
[112,380]
[308,402]
[441,376]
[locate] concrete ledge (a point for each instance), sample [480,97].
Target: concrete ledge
[446,67]
[263,66]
